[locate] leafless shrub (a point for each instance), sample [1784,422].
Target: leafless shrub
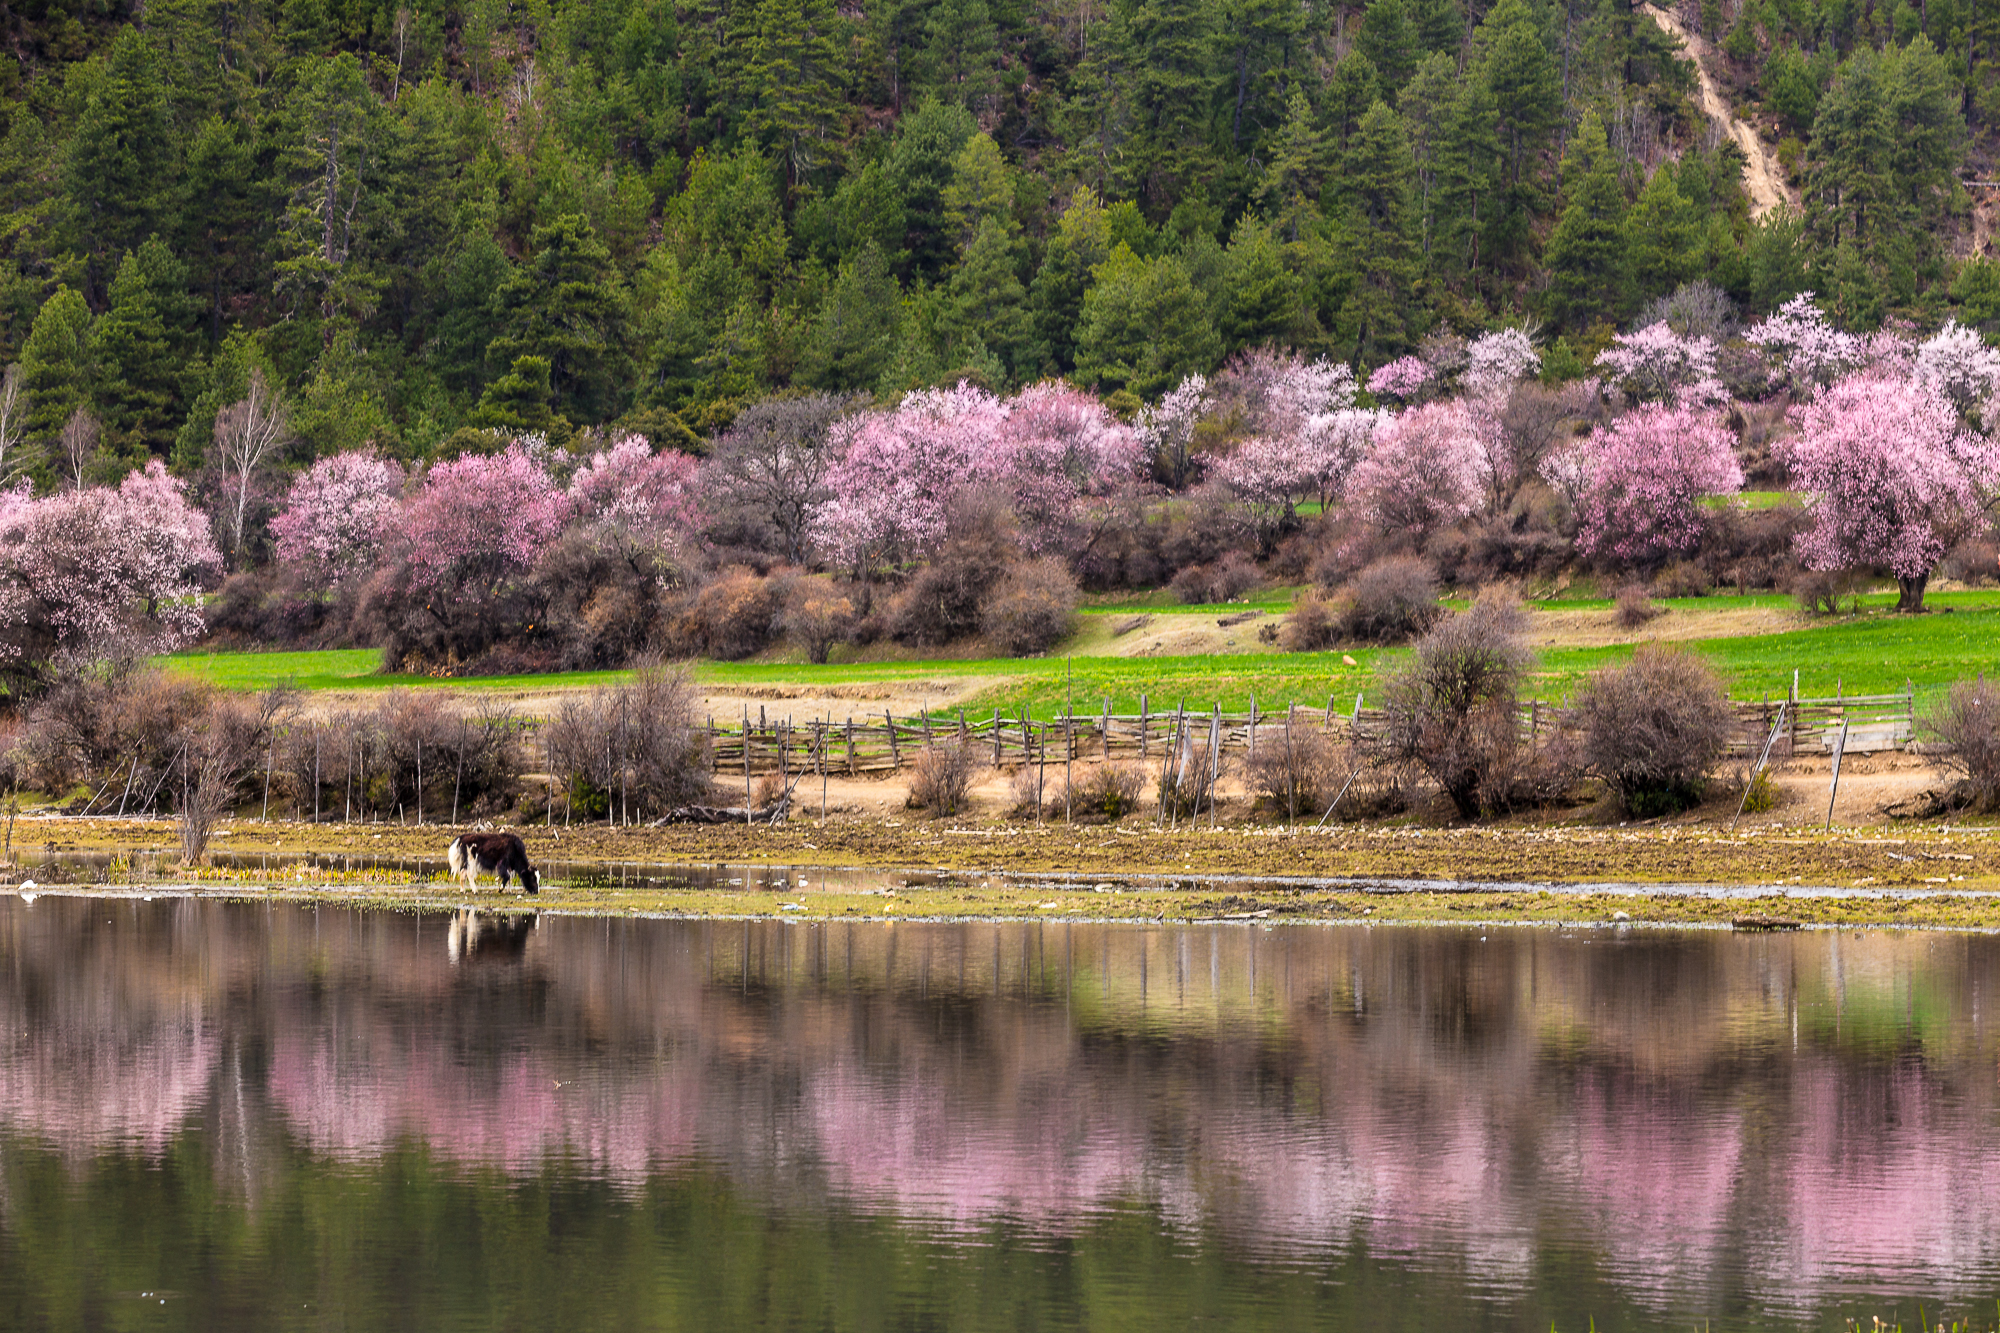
[1683,578]
[107,723]
[1389,601]
[1655,729]
[731,618]
[1296,770]
[1451,708]
[1697,309]
[1967,720]
[1312,625]
[1110,791]
[1031,610]
[1534,421]
[1223,581]
[943,603]
[219,749]
[1026,789]
[1636,607]
[1975,560]
[1818,592]
[942,776]
[631,752]
[818,617]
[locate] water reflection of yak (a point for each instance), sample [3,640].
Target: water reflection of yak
[501,854]
[495,937]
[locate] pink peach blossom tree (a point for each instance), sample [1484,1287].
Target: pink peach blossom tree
[330,525]
[1425,470]
[1894,479]
[1639,482]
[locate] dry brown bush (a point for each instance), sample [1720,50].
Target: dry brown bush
[942,776]
[1032,609]
[1186,783]
[1311,626]
[1390,601]
[631,752]
[818,617]
[1636,607]
[1452,712]
[1967,720]
[733,617]
[1655,729]
[1110,791]
[1296,770]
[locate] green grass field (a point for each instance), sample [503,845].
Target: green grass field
[1871,653]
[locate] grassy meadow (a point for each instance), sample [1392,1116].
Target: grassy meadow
[1869,650]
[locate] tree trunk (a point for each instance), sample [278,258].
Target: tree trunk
[1910,594]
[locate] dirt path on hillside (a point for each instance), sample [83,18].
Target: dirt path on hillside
[1764,175]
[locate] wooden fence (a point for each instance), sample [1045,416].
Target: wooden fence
[861,745]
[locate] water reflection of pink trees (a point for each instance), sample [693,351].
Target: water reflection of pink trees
[1791,1112]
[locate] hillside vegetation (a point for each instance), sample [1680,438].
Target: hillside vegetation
[546,216]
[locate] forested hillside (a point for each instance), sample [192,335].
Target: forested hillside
[488,217]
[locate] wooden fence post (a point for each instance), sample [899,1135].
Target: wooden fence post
[996,735]
[895,750]
[1144,720]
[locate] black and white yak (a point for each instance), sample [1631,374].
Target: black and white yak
[501,854]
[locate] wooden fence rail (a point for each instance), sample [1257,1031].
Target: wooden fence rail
[859,746]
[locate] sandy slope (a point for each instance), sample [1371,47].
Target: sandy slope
[1764,176]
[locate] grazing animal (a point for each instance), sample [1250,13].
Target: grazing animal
[501,854]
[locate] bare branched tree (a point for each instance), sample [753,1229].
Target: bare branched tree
[248,435]
[766,478]
[80,435]
[13,424]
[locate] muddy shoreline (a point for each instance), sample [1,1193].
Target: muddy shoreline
[1692,874]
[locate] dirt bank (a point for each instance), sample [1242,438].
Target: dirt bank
[1763,174]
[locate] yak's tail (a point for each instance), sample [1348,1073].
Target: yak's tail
[455,856]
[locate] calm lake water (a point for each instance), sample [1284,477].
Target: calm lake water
[219,1116]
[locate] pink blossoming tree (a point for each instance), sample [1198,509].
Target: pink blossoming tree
[95,572]
[651,496]
[1425,470]
[1638,482]
[1894,479]
[1167,430]
[1060,457]
[1656,364]
[1804,346]
[1957,363]
[330,526]
[1406,378]
[1495,362]
[900,473]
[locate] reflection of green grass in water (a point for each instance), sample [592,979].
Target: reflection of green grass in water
[1873,653]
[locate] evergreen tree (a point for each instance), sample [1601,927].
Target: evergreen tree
[226,238]
[1165,52]
[330,135]
[855,333]
[139,348]
[1664,236]
[921,165]
[1589,271]
[985,303]
[1390,41]
[57,371]
[1517,67]
[1263,300]
[568,307]
[1263,42]
[1289,193]
[1081,242]
[961,54]
[123,164]
[1354,87]
[519,401]
[981,188]
[794,75]
[1378,236]
[1145,326]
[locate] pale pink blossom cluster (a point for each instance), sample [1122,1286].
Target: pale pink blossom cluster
[1059,455]
[1807,348]
[1657,364]
[1403,378]
[900,472]
[1495,362]
[1426,469]
[636,489]
[1639,481]
[1276,392]
[333,514]
[1957,363]
[481,518]
[1166,429]
[1893,477]
[100,567]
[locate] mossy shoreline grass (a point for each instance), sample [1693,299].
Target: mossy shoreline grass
[1688,875]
